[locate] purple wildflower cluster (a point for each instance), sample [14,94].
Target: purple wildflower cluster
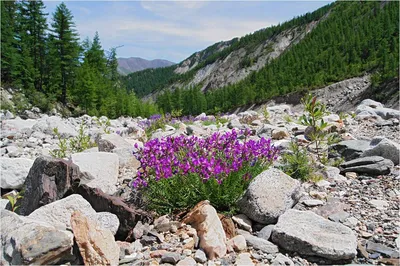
[216,156]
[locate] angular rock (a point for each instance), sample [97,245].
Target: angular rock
[102,166]
[14,172]
[96,245]
[234,123]
[237,243]
[269,195]
[228,225]
[205,220]
[243,222]
[282,260]
[339,216]
[9,128]
[348,149]
[170,257]
[48,180]
[101,202]
[372,165]
[46,125]
[118,145]
[313,202]
[371,103]
[261,244]
[59,213]
[188,261]
[308,234]
[106,220]
[200,256]
[3,204]
[266,232]
[376,247]
[385,148]
[20,237]
[387,113]
[244,259]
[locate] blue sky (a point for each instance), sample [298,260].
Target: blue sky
[174,30]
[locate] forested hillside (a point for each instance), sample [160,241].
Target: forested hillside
[49,64]
[146,82]
[354,38]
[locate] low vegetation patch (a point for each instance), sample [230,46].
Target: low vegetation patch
[76,144]
[178,172]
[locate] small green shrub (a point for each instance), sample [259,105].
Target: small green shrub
[208,122]
[288,119]
[76,144]
[185,191]
[266,114]
[20,102]
[104,124]
[296,162]
[13,199]
[61,152]
[176,113]
[313,117]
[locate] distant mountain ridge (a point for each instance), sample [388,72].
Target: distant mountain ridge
[134,64]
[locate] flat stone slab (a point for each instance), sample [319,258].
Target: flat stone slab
[102,166]
[372,165]
[311,235]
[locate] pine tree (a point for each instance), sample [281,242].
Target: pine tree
[64,50]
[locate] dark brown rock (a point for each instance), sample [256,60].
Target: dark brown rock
[102,202]
[48,180]
[52,179]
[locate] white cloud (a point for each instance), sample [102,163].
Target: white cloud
[173,10]
[205,31]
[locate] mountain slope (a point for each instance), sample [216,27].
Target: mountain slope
[228,62]
[134,64]
[339,41]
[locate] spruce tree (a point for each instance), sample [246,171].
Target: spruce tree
[9,55]
[64,50]
[34,26]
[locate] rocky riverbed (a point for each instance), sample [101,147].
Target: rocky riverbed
[81,209]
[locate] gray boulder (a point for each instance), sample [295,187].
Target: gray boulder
[260,244]
[372,165]
[385,148]
[371,103]
[102,166]
[14,172]
[10,128]
[235,123]
[3,204]
[387,113]
[309,234]
[118,145]
[47,124]
[106,220]
[59,213]
[20,238]
[269,195]
[348,149]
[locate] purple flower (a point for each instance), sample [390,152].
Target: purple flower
[216,156]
